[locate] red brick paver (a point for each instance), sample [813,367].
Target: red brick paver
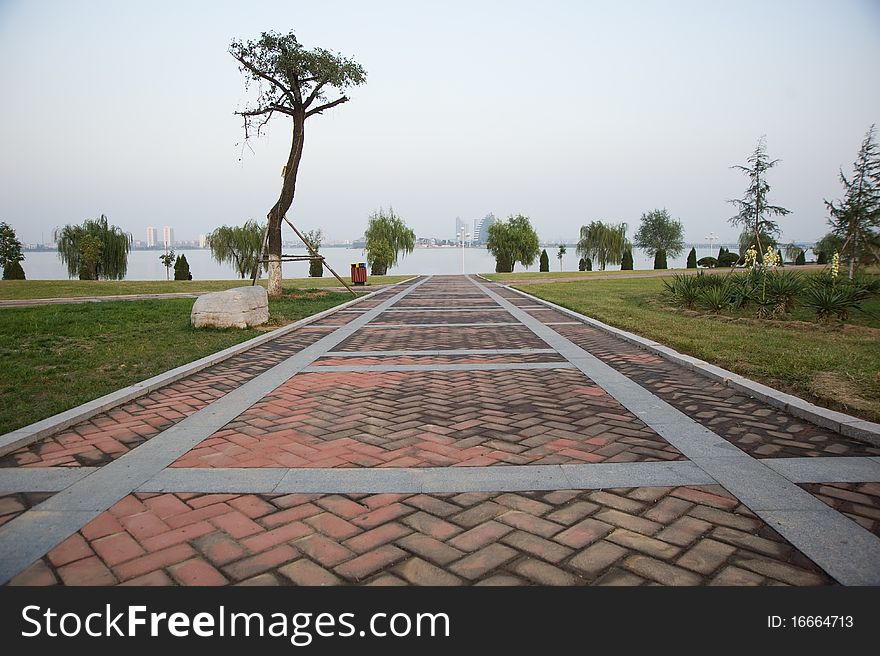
[672,536]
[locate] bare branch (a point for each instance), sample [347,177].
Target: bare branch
[321,108]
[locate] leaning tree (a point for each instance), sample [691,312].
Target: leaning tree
[855,220]
[293,81]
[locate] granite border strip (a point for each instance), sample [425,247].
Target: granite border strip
[851,554]
[476,366]
[503,478]
[485,324]
[265,480]
[40,479]
[371,354]
[27,537]
[43,428]
[826,470]
[839,422]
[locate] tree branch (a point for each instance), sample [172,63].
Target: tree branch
[321,108]
[253,69]
[263,110]
[314,93]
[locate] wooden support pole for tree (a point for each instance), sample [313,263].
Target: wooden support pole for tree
[314,254]
[264,244]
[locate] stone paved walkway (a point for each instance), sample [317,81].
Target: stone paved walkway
[445,431]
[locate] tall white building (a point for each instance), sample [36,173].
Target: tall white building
[202,241]
[167,237]
[152,237]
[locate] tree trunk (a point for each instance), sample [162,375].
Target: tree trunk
[285,200]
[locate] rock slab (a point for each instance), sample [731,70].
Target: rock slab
[240,307]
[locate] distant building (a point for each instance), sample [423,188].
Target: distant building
[152,237]
[202,241]
[461,227]
[481,228]
[167,237]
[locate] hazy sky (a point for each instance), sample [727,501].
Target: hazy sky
[564,111]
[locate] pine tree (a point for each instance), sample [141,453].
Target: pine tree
[582,265]
[755,211]
[545,261]
[626,264]
[660,260]
[181,269]
[801,258]
[856,219]
[589,264]
[692,259]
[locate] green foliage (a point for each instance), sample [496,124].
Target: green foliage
[855,220]
[238,246]
[755,211]
[831,300]
[545,261]
[717,298]
[386,238]
[604,242]
[660,260]
[13,271]
[589,264]
[313,239]
[660,232]
[278,64]
[747,240]
[167,260]
[684,289]
[76,242]
[582,265]
[512,241]
[626,263]
[781,288]
[692,259]
[560,254]
[10,253]
[727,259]
[90,249]
[181,269]
[801,258]
[709,262]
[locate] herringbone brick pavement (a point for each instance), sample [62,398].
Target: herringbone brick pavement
[635,536]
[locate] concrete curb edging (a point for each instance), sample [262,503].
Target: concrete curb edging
[38,430]
[839,422]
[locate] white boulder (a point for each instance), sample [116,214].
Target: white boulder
[240,307]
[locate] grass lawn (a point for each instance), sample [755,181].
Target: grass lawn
[562,275]
[837,366]
[21,289]
[59,356]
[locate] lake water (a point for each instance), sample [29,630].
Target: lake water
[145,265]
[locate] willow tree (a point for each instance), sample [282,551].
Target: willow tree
[386,237]
[94,250]
[238,246]
[603,242]
[755,211]
[292,81]
[512,241]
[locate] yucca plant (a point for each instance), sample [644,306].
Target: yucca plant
[831,300]
[718,298]
[683,289]
[781,288]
